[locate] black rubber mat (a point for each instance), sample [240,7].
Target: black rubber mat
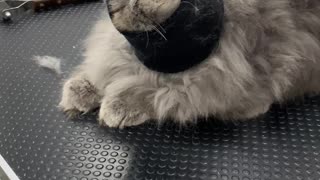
[40,144]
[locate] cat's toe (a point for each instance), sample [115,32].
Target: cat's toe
[117,114]
[71,113]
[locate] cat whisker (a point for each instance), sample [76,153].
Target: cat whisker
[159,32]
[161,27]
[196,9]
[148,39]
[156,23]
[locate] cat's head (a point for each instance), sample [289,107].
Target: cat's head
[140,15]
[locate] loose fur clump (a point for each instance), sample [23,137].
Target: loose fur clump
[269,52]
[49,62]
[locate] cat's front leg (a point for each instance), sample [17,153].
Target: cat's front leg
[127,102]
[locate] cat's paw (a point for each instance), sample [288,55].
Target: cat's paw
[117,114]
[251,112]
[78,96]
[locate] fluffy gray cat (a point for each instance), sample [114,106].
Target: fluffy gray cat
[268,52]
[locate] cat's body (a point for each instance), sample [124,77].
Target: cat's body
[269,52]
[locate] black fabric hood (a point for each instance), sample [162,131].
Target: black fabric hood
[191,34]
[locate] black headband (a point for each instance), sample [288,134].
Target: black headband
[191,34]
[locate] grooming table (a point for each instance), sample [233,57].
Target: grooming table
[39,143]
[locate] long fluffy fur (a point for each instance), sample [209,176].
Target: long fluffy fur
[269,52]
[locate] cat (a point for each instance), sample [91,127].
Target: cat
[268,52]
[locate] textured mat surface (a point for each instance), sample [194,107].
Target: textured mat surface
[39,143]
